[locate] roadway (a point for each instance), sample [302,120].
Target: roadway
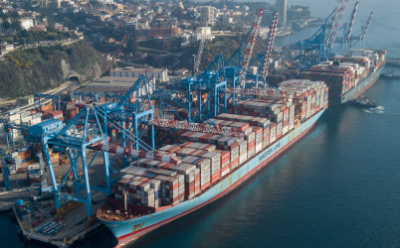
[59,91]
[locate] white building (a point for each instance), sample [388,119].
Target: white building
[207,14]
[149,73]
[107,1]
[26,23]
[282,9]
[263,31]
[204,32]
[188,37]
[7,47]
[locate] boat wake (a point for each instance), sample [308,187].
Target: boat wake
[377,110]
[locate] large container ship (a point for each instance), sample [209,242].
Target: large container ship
[204,166]
[348,75]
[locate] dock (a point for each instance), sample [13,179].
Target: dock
[62,229]
[69,224]
[393,61]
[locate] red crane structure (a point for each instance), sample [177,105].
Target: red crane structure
[248,50]
[338,21]
[270,44]
[353,17]
[366,28]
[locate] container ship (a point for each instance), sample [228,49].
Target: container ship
[348,75]
[198,168]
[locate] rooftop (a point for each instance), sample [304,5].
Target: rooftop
[140,70]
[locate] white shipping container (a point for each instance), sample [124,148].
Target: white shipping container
[225,172]
[259,147]
[243,158]
[36,121]
[251,152]
[26,119]
[285,129]
[12,118]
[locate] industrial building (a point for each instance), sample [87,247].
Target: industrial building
[149,73]
[110,87]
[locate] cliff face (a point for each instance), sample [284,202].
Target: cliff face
[25,72]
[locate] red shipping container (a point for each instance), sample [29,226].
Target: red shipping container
[251,145]
[205,186]
[286,122]
[215,178]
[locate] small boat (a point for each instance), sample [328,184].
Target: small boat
[362,101]
[389,75]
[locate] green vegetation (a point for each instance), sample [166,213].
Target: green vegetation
[29,37]
[25,72]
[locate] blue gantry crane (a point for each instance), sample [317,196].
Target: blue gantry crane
[39,95]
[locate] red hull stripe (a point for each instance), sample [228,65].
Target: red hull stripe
[223,192]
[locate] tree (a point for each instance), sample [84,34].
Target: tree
[6,25]
[131,46]
[16,22]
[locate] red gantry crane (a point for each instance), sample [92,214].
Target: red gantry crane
[337,24]
[332,24]
[270,44]
[353,17]
[365,29]
[248,50]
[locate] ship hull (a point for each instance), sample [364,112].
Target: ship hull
[129,230]
[360,88]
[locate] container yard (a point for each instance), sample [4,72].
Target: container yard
[136,158]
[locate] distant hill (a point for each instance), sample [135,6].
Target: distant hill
[25,72]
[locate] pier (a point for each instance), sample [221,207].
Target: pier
[393,61]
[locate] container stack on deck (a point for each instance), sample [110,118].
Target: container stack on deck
[342,73]
[207,158]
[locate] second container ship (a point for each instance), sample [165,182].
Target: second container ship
[200,168]
[348,75]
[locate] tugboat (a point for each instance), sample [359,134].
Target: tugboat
[362,101]
[389,75]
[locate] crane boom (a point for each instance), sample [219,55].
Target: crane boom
[353,16]
[269,92]
[337,25]
[249,46]
[119,50]
[199,54]
[195,127]
[332,24]
[366,27]
[270,44]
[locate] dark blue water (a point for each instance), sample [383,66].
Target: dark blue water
[337,187]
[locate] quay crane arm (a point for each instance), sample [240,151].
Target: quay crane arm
[337,25]
[269,92]
[353,16]
[195,127]
[332,23]
[366,27]
[248,50]
[270,44]
[121,45]
[199,54]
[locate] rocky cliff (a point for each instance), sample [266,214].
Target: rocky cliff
[24,72]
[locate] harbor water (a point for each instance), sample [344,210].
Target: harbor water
[339,186]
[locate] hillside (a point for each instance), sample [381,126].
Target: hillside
[25,72]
